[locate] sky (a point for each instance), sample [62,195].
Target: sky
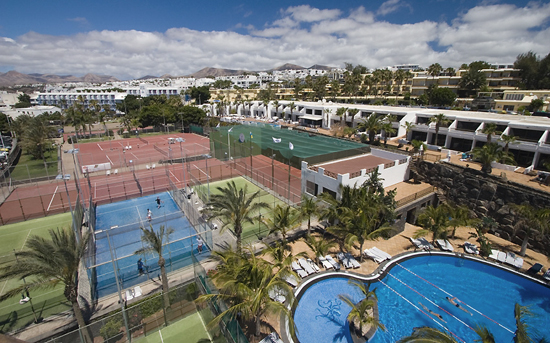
[131,39]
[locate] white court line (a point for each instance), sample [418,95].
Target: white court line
[53,196]
[134,156]
[174,176]
[109,160]
[200,169]
[24,242]
[99,146]
[205,329]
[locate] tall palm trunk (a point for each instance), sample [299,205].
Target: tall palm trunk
[72,296]
[162,263]
[238,233]
[258,326]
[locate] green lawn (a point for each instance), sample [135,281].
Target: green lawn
[189,329]
[251,232]
[28,167]
[46,302]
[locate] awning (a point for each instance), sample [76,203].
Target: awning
[311,117]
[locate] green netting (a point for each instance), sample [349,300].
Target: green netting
[244,140]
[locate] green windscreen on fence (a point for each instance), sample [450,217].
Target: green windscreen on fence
[243,140]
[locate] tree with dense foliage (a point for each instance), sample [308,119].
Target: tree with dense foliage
[362,313]
[46,263]
[442,97]
[341,112]
[154,242]
[528,64]
[409,126]
[351,112]
[23,101]
[234,207]
[245,283]
[507,140]
[200,94]
[435,69]
[319,246]
[459,216]
[284,219]
[35,137]
[426,334]
[472,80]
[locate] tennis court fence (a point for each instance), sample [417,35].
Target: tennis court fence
[142,317]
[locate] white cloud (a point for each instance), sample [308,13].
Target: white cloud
[302,35]
[391,6]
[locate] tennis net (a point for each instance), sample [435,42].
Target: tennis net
[130,227]
[143,140]
[160,150]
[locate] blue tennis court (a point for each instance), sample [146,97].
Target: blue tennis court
[118,236]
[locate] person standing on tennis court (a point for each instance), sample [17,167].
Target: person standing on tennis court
[140,266]
[149,214]
[200,243]
[158,202]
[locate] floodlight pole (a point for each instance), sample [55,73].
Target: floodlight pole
[207,177]
[272,170]
[183,167]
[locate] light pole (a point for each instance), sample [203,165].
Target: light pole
[272,171]
[183,167]
[207,176]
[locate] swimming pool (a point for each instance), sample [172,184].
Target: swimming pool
[487,292]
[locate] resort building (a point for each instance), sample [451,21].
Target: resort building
[353,171]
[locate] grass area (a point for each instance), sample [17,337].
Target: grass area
[251,232]
[46,302]
[28,167]
[191,327]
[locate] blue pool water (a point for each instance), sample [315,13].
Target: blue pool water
[491,291]
[126,239]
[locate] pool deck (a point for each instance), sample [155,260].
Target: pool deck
[400,243]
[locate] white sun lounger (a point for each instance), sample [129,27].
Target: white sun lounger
[306,266]
[335,264]
[421,243]
[444,245]
[276,295]
[374,256]
[313,265]
[354,262]
[291,280]
[344,260]
[471,248]
[381,253]
[514,260]
[325,263]
[301,273]
[494,254]
[498,255]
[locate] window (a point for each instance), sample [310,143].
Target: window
[310,187]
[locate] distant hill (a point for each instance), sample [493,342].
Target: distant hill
[205,72]
[12,78]
[320,67]
[287,66]
[147,77]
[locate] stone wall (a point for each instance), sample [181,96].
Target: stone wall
[487,196]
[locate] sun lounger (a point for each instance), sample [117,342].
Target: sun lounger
[421,243]
[514,260]
[301,273]
[444,245]
[344,260]
[353,261]
[271,338]
[381,253]
[137,292]
[325,263]
[335,264]
[501,256]
[276,295]
[305,266]
[374,256]
[108,172]
[494,254]
[546,275]
[535,269]
[313,265]
[291,280]
[471,248]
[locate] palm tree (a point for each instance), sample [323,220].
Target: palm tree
[328,112]
[435,69]
[531,220]
[427,334]
[291,106]
[276,105]
[438,119]
[351,112]
[460,215]
[234,207]
[371,125]
[246,283]
[387,126]
[490,129]
[522,328]
[417,145]
[319,246]
[341,112]
[308,209]
[285,219]
[154,242]
[507,140]
[362,313]
[408,128]
[485,336]
[49,262]
[488,153]
[434,220]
